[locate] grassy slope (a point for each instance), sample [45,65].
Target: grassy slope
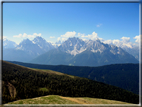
[56,99]
[51,72]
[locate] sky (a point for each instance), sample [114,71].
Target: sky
[110,22]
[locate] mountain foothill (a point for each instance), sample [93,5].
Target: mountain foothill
[19,82]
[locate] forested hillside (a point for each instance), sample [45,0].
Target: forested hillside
[21,83]
[125,76]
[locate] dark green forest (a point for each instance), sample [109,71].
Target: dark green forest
[125,76]
[20,82]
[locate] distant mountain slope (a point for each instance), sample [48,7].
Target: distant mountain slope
[8,44]
[16,55]
[30,48]
[53,57]
[31,83]
[42,43]
[133,51]
[79,53]
[125,76]
[26,50]
[88,58]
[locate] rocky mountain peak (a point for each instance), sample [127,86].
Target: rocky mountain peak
[72,46]
[26,41]
[39,39]
[8,44]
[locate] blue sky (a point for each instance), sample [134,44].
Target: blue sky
[58,21]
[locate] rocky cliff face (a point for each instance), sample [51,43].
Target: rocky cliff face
[11,89]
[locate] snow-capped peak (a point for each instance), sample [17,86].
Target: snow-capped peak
[26,41]
[76,46]
[8,44]
[72,46]
[42,43]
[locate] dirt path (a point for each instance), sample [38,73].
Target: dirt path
[79,101]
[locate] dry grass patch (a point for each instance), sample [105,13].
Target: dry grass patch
[51,99]
[47,71]
[51,72]
[56,99]
[86,100]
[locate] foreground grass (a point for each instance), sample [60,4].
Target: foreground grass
[56,99]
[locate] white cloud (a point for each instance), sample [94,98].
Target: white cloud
[52,37]
[83,36]
[108,41]
[101,39]
[130,45]
[124,42]
[63,39]
[98,25]
[125,39]
[80,35]
[59,38]
[84,39]
[69,34]
[116,41]
[35,34]
[137,39]
[92,36]
[66,36]
[30,36]
[17,36]
[4,37]
[26,36]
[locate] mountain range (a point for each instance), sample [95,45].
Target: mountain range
[26,50]
[8,44]
[73,51]
[77,52]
